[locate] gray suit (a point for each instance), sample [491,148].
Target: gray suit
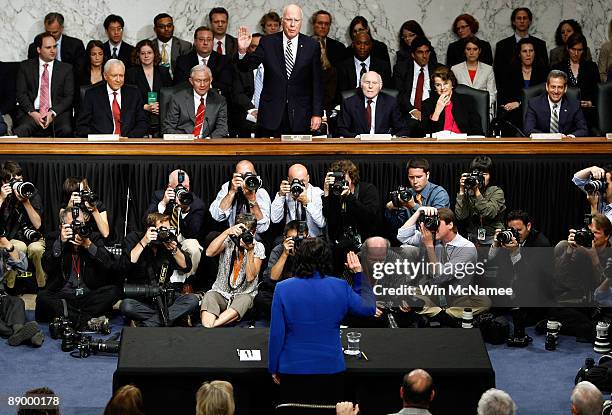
[181,115]
[180,47]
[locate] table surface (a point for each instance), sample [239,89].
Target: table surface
[263,146]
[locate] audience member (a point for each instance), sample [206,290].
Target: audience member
[371,111]
[408,32]
[329,79]
[554,111]
[45,90]
[294,97]
[199,110]
[447,110]
[417,393]
[112,107]
[605,56]
[224,44]
[92,71]
[347,408]
[69,49]
[359,24]
[321,24]
[297,199]
[126,401]
[77,193]
[600,199]
[115,47]
[246,95]
[150,77]
[240,259]
[465,27]
[496,402]
[169,46]
[566,29]
[270,23]
[52,409]
[305,354]
[586,399]
[215,398]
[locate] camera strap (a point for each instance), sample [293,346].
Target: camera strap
[234,269]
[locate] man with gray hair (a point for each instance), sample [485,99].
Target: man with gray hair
[198,110]
[586,399]
[554,111]
[496,402]
[69,49]
[112,107]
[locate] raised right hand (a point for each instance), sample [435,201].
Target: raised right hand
[66,232]
[244,39]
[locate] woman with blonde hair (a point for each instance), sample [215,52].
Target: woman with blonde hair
[215,398]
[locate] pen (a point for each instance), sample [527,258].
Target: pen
[364,356]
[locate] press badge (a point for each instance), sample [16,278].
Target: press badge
[482,234]
[79,291]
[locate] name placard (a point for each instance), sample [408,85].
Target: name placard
[179,137]
[103,137]
[375,137]
[609,136]
[448,135]
[296,137]
[546,136]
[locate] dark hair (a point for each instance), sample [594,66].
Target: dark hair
[248,220]
[575,27]
[313,255]
[346,166]
[418,42]
[271,15]
[318,12]
[445,74]
[201,29]
[135,58]
[217,10]
[113,18]
[469,20]
[516,59]
[127,400]
[155,217]
[520,9]
[482,163]
[73,184]
[9,169]
[448,216]
[416,397]
[602,223]
[54,17]
[38,40]
[161,16]
[411,26]
[572,41]
[356,20]
[293,226]
[418,163]
[50,410]
[90,45]
[519,214]
[472,39]
[257,34]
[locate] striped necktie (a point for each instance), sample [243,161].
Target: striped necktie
[554,119]
[258,85]
[289,59]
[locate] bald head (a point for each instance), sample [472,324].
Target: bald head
[417,389]
[298,171]
[173,179]
[245,166]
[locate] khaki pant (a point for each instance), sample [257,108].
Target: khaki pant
[35,253]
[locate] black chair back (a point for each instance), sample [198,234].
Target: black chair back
[604,107]
[482,100]
[164,99]
[536,90]
[350,92]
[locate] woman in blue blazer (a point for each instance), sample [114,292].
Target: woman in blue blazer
[305,353]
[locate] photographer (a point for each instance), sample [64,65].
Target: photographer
[240,258]
[479,204]
[186,214]
[351,208]
[280,266]
[596,182]
[434,232]
[243,194]
[78,193]
[421,193]
[21,214]
[82,273]
[148,260]
[298,200]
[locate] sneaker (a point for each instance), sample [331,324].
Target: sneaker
[38,339]
[25,334]
[99,325]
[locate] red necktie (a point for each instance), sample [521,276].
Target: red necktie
[44,91]
[219,48]
[199,117]
[418,95]
[369,115]
[116,114]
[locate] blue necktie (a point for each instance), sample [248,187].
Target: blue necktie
[258,86]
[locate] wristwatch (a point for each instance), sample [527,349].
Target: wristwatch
[252,204]
[9,250]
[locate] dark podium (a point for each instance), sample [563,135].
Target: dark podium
[169,365]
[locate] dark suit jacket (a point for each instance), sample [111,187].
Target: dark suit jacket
[388,119]
[3,126]
[180,47]
[336,51]
[379,50]
[301,95]
[588,78]
[95,115]
[136,76]
[231,45]
[464,112]
[347,77]
[62,86]
[124,55]
[181,115]
[571,119]
[403,73]
[220,66]
[72,51]
[504,51]
[511,85]
[456,53]
[191,225]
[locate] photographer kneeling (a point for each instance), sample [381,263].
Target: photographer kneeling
[240,258]
[81,273]
[78,193]
[149,260]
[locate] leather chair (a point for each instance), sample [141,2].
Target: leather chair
[350,92]
[482,100]
[604,108]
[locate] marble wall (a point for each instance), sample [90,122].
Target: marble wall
[23,18]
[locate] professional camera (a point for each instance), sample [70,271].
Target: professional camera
[506,235]
[474,179]
[252,181]
[593,186]
[246,236]
[142,290]
[23,189]
[584,237]
[297,187]
[87,345]
[402,195]
[352,239]
[87,196]
[339,183]
[165,235]
[184,196]
[431,222]
[58,326]
[78,227]
[31,234]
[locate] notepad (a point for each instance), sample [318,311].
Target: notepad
[249,355]
[179,137]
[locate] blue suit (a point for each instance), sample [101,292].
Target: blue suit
[571,119]
[388,119]
[306,316]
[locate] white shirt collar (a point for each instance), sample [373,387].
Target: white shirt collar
[42,62]
[197,97]
[110,91]
[294,41]
[366,61]
[417,67]
[550,104]
[365,100]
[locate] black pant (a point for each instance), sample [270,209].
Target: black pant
[313,389]
[60,127]
[12,312]
[81,308]
[284,127]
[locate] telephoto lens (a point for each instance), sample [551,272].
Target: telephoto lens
[252,181]
[593,186]
[552,335]
[467,321]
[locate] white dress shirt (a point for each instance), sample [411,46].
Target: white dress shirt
[373,105]
[358,69]
[168,48]
[196,104]
[112,46]
[110,100]
[263,200]
[216,44]
[41,68]
[415,78]
[314,210]
[294,46]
